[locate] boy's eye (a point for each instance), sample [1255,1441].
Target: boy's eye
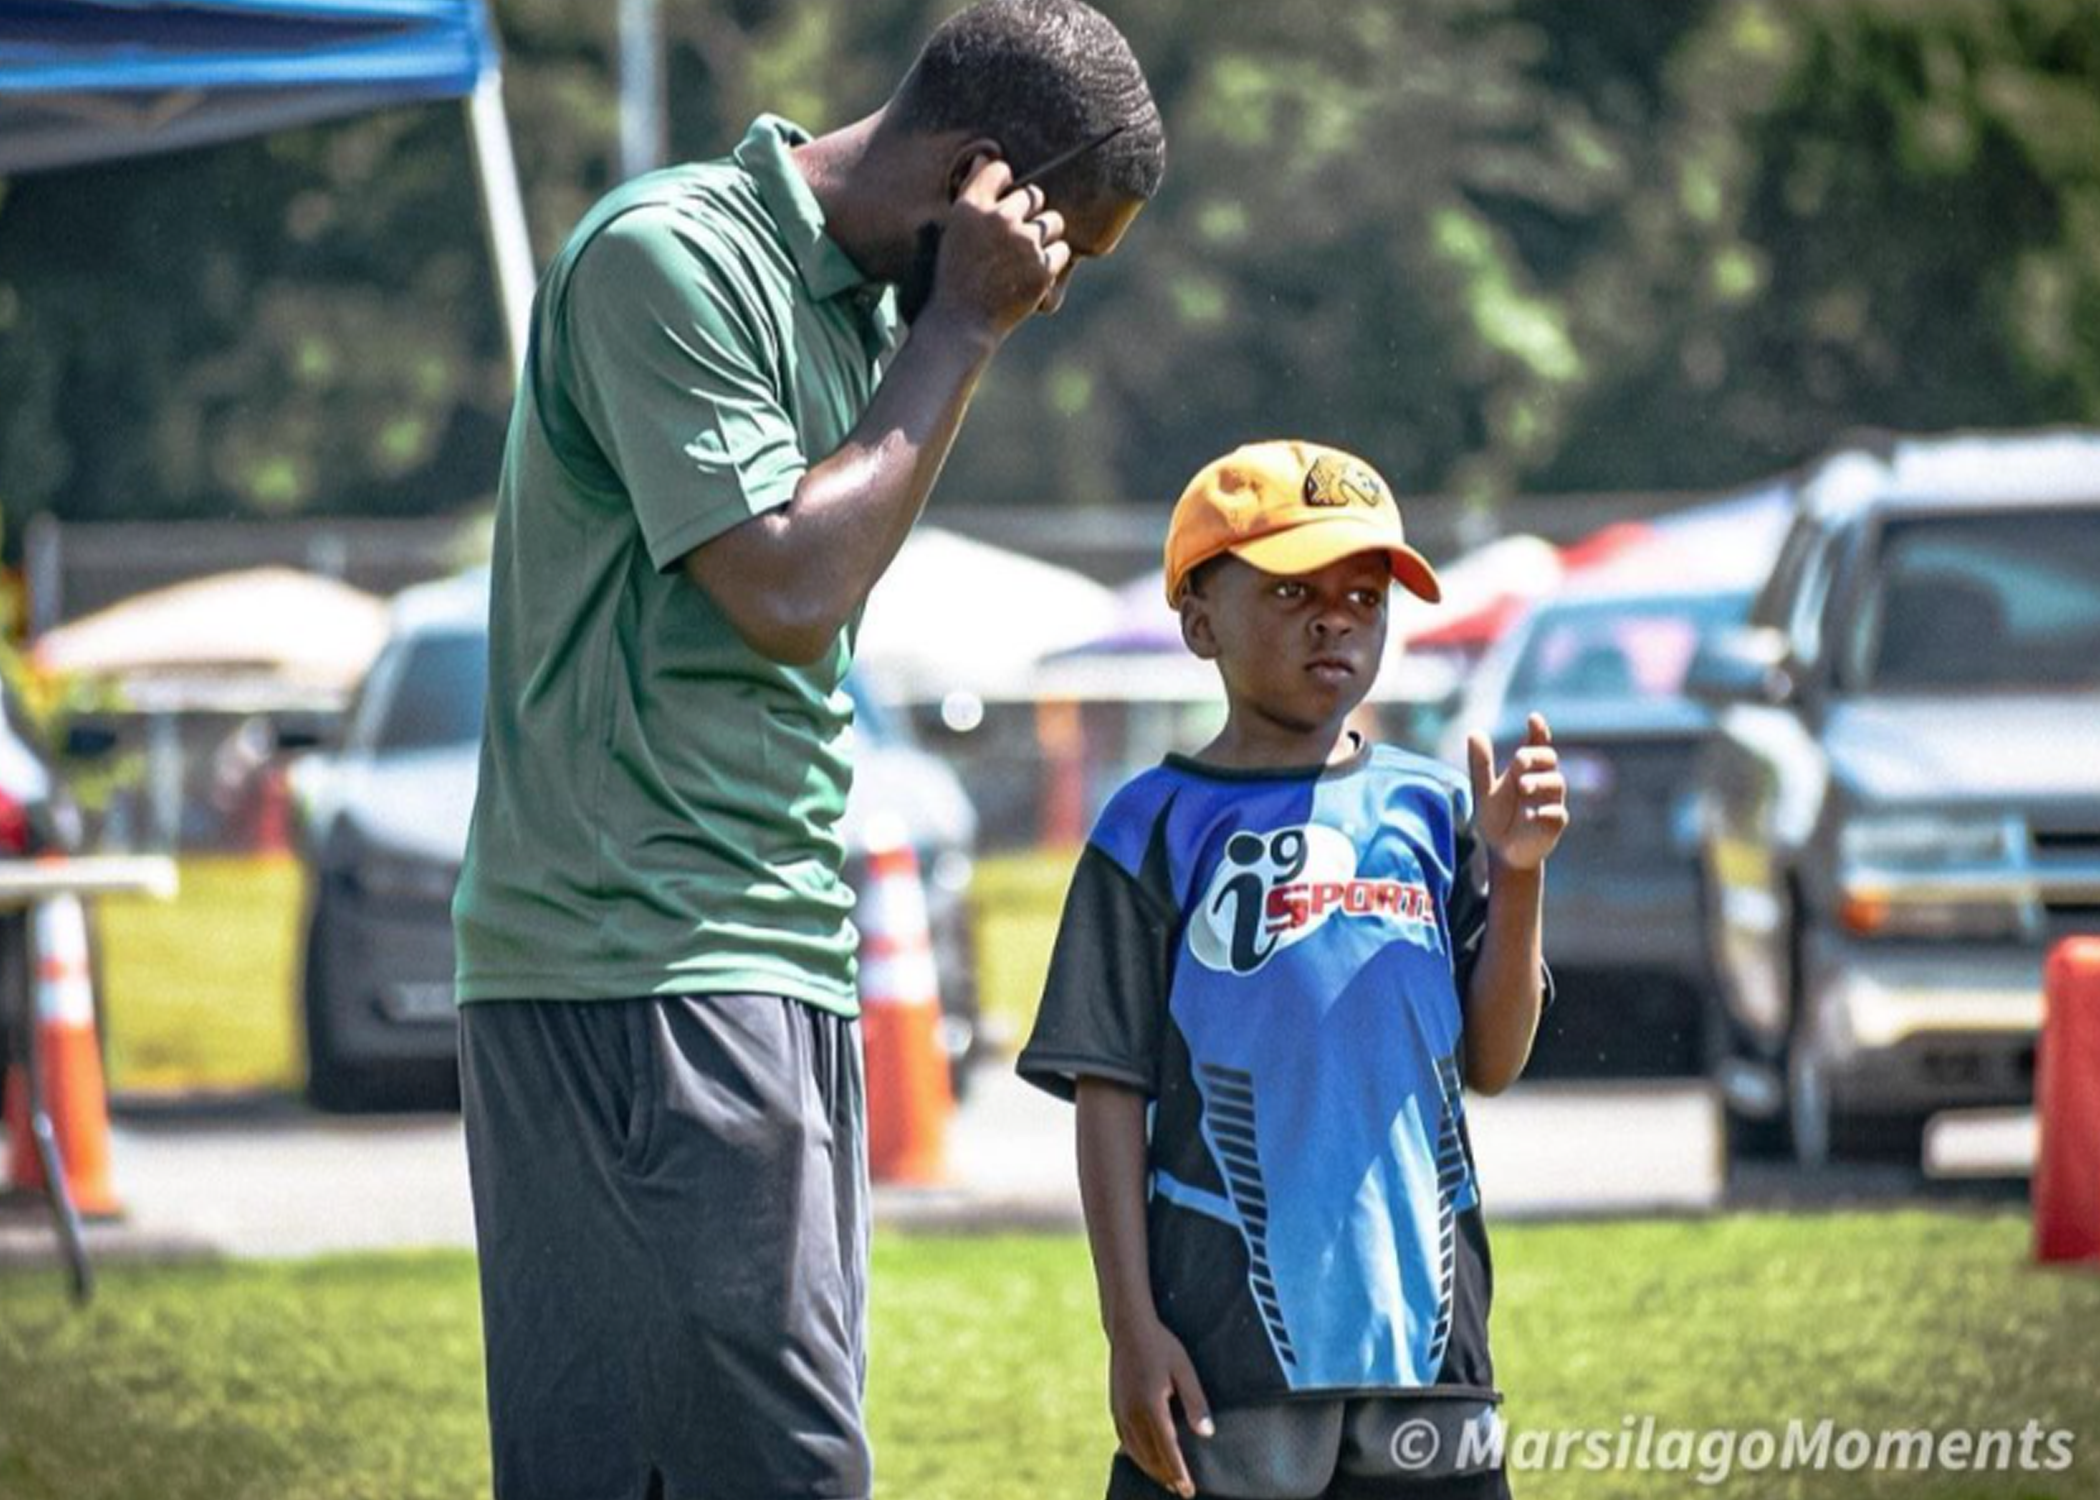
[1370,598]
[1289,588]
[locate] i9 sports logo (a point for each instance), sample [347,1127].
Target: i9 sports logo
[1272,890]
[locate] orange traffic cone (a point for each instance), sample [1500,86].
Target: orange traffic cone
[71,1063]
[2067,1103]
[909,1096]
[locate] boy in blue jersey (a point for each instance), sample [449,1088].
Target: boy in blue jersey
[1281,962]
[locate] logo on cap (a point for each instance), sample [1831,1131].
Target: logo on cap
[1333,482]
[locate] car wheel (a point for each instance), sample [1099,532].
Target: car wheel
[333,1083]
[1808,1109]
[1759,1138]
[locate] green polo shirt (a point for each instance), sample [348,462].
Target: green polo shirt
[658,803]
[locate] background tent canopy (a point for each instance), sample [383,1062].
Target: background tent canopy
[89,80]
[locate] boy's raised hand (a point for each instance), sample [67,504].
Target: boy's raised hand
[1520,812]
[1147,1370]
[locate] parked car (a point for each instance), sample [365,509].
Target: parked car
[1605,663]
[1902,799]
[37,813]
[384,827]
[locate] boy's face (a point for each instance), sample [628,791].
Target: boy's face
[1298,651]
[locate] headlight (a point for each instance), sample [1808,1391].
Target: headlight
[1934,875]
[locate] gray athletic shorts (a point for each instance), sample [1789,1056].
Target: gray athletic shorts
[671,1209]
[1418,1447]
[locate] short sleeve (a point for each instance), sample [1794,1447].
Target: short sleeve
[1467,909]
[1104,1004]
[671,366]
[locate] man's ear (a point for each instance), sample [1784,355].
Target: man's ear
[1196,631]
[964,161]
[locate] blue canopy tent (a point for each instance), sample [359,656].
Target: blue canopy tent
[92,80]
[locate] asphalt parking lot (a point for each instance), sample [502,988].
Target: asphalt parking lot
[266,1176]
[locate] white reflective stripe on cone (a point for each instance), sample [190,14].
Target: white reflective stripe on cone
[65,989]
[900,979]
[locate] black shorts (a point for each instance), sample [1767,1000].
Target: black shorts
[671,1211]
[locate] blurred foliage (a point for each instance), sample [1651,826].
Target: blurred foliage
[1491,243]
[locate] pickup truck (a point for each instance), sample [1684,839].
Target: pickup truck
[1900,805]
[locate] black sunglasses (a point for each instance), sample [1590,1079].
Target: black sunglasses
[1066,158]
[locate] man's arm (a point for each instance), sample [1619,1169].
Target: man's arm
[1147,1364]
[788,580]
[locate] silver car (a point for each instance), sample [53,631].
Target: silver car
[384,826]
[1606,666]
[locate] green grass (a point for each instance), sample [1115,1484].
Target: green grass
[355,1377]
[198,992]
[1016,901]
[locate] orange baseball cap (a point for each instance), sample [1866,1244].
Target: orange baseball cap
[1290,507]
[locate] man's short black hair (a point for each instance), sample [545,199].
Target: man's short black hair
[1041,77]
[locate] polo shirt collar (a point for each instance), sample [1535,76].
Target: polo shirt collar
[826,269]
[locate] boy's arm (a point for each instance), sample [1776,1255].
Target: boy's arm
[1503,1003]
[1147,1364]
[1520,815]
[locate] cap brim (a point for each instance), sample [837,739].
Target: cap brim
[1308,548]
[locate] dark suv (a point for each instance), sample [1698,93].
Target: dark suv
[1901,804]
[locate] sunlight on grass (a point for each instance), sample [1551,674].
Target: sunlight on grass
[1015,902]
[199,992]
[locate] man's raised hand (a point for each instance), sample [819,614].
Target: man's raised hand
[1001,251]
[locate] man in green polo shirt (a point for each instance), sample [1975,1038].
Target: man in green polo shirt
[744,376]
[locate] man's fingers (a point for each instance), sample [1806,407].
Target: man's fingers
[1049,227]
[987,182]
[1480,765]
[1056,258]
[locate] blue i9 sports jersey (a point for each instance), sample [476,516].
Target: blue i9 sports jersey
[1276,959]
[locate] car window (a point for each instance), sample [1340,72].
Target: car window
[438,693]
[1620,649]
[1980,602]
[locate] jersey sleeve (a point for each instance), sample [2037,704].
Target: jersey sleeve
[679,382]
[1104,1004]
[1467,909]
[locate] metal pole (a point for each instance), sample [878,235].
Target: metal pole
[18,1023]
[641,88]
[503,212]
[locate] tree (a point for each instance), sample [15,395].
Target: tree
[1488,243]
[1878,213]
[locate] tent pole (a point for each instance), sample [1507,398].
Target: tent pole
[502,211]
[641,88]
